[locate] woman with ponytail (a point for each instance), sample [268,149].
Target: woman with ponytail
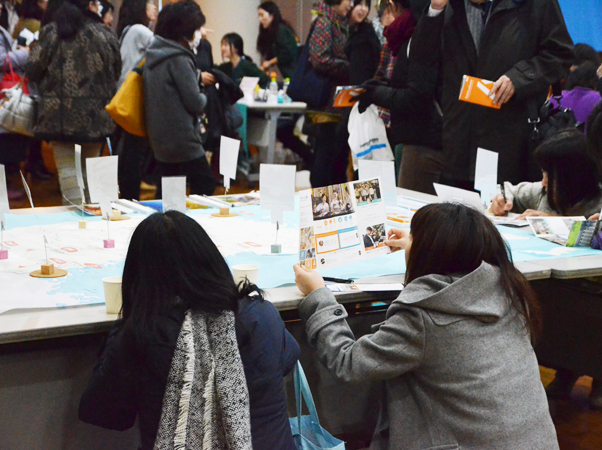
[236,64]
[76,65]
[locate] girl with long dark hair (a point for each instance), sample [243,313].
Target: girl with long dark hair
[75,65]
[177,288]
[455,351]
[570,184]
[276,42]
[236,63]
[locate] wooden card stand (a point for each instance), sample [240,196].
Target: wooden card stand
[83,224]
[224,212]
[117,216]
[48,271]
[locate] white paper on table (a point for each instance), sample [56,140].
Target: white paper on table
[174,193]
[277,188]
[79,175]
[485,178]
[386,171]
[102,178]
[457,195]
[228,159]
[4,205]
[247,86]
[106,209]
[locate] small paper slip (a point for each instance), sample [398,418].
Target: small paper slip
[381,287]
[247,86]
[4,205]
[477,90]
[509,221]
[174,193]
[277,187]
[386,171]
[228,159]
[345,96]
[485,179]
[457,195]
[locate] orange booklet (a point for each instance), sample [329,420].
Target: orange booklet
[476,90]
[345,96]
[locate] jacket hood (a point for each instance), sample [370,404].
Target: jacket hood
[478,294]
[162,49]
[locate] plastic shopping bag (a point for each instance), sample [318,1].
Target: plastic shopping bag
[368,136]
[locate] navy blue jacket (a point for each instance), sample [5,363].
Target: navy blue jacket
[129,379]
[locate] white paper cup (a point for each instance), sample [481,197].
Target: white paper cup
[112,286]
[242,271]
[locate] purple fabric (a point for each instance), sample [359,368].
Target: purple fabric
[580,100]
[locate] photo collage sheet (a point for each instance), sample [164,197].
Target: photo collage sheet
[341,224]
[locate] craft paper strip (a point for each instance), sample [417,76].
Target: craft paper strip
[174,193]
[277,187]
[102,179]
[4,205]
[386,171]
[228,159]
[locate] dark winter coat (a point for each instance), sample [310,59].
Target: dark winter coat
[415,117]
[363,52]
[285,49]
[173,102]
[76,79]
[527,41]
[129,380]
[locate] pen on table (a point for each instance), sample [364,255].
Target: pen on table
[339,280]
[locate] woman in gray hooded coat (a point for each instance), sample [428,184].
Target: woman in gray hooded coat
[455,351]
[173,100]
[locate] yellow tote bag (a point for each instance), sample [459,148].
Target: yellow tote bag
[127,106]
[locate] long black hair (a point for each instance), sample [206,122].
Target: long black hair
[179,21]
[572,172]
[51,9]
[132,12]
[449,238]
[584,75]
[31,10]
[267,36]
[71,16]
[172,261]
[234,40]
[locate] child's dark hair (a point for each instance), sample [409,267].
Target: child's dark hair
[584,75]
[132,12]
[234,40]
[449,238]
[172,261]
[572,172]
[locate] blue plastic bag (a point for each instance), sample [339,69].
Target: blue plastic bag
[307,432]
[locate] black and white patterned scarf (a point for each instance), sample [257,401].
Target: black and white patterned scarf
[206,402]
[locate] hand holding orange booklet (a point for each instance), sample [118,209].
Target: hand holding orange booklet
[346,96]
[478,91]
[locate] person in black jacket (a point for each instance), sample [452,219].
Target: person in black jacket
[172,267]
[362,47]
[523,46]
[415,117]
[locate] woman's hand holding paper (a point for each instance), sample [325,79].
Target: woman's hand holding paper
[307,280]
[532,213]
[398,239]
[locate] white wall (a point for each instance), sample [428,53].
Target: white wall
[227,16]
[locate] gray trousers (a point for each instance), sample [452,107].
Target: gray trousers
[420,168]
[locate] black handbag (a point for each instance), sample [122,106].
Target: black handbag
[308,85]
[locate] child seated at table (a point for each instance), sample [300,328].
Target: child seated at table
[197,359]
[570,185]
[454,353]
[236,64]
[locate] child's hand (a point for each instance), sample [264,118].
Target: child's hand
[307,280]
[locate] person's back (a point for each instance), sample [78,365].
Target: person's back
[134,42]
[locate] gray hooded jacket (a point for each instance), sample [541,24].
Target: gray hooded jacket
[456,360]
[173,102]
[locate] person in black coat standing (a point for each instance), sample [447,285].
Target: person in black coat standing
[521,45]
[362,47]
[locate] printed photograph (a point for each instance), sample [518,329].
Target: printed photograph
[540,226]
[367,192]
[374,236]
[307,238]
[331,201]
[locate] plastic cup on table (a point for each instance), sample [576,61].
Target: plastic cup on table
[112,287]
[242,271]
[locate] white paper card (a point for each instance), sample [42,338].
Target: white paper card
[4,205]
[102,178]
[106,209]
[277,187]
[277,216]
[386,171]
[174,193]
[247,86]
[485,178]
[457,195]
[228,159]
[79,175]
